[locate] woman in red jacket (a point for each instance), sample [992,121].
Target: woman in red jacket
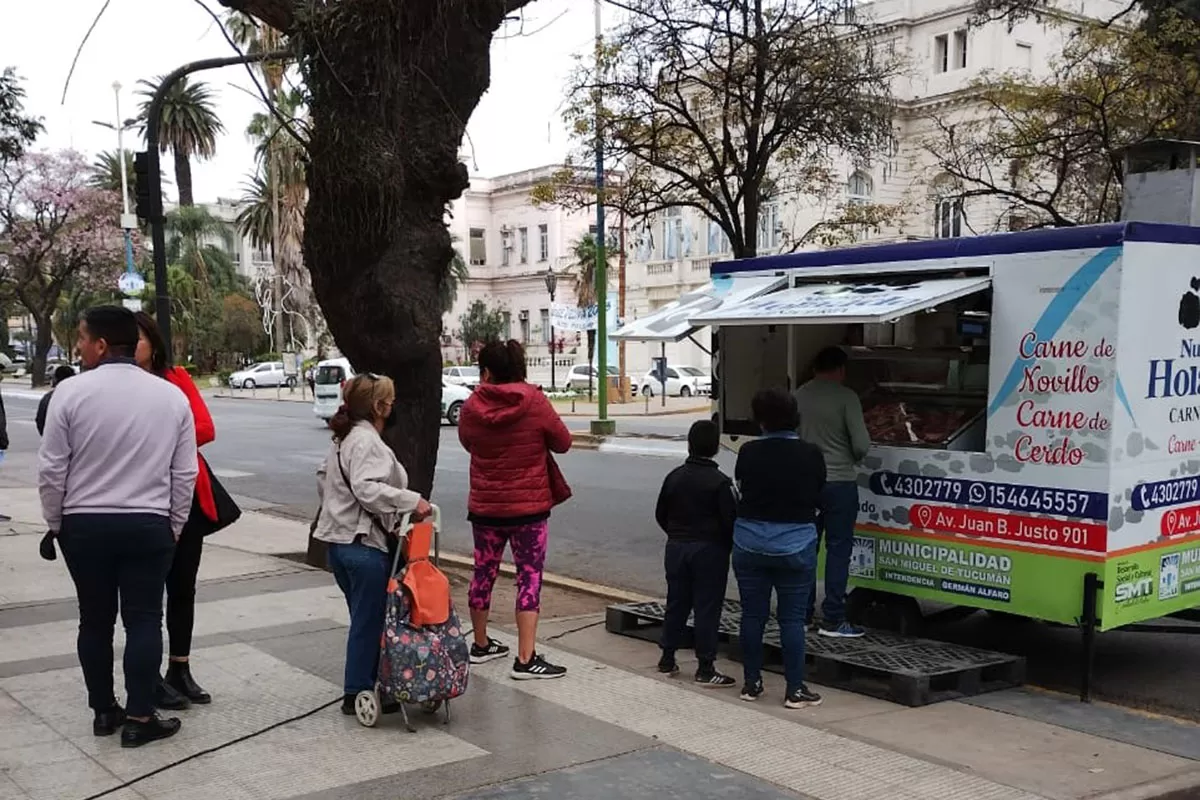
[510,429]
[178,690]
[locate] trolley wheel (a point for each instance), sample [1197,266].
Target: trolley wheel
[366,708]
[431,706]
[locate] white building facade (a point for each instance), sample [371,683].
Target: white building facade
[671,253]
[509,244]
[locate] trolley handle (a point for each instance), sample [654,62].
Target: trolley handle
[405,528]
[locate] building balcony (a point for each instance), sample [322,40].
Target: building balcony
[663,273]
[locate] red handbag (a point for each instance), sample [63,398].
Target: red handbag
[560,490]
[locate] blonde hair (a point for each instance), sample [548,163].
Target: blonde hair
[362,398]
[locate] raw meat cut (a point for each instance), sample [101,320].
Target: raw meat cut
[906,423]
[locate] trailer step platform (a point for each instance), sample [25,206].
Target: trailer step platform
[901,669]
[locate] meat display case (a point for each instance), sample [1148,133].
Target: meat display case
[925,419]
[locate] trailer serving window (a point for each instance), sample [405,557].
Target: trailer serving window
[918,346]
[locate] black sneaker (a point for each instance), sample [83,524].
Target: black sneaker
[713,679]
[106,723]
[537,669]
[752,691]
[493,650]
[668,666]
[136,734]
[802,698]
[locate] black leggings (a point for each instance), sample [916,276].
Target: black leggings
[181,591]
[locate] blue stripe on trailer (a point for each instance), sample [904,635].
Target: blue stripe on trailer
[1083,237]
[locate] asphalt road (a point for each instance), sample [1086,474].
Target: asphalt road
[267,454]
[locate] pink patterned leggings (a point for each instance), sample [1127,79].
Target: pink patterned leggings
[529,554]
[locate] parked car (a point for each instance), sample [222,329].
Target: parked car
[577,378]
[462,376]
[681,382]
[267,374]
[453,397]
[334,372]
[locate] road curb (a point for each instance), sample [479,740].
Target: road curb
[1181,786]
[219,396]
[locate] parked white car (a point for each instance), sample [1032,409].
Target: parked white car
[331,374]
[462,376]
[453,397]
[267,374]
[681,382]
[577,378]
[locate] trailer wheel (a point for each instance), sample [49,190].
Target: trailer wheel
[885,611]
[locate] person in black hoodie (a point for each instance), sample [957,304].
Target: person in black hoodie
[697,508]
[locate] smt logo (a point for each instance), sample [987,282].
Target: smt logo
[1134,590]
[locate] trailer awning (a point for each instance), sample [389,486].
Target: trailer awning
[828,304]
[670,323]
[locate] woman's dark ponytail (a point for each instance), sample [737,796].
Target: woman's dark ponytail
[341,424]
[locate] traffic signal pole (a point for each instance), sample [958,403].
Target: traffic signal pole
[148,167]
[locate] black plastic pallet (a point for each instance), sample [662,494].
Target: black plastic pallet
[902,669]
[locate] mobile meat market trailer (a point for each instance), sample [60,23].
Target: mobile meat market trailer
[1033,401]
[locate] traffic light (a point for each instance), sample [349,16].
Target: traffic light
[143,193]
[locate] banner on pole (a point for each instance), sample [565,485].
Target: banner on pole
[573,318]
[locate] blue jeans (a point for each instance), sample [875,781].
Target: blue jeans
[791,578]
[839,513]
[361,573]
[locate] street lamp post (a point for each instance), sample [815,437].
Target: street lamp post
[551,286]
[128,220]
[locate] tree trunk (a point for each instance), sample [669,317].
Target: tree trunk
[392,86]
[41,348]
[183,178]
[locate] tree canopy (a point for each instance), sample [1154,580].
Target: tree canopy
[1050,151]
[721,107]
[17,129]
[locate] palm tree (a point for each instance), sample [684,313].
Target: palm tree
[584,251]
[189,127]
[106,171]
[190,230]
[457,274]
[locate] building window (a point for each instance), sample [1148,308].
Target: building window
[947,217]
[960,49]
[543,242]
[672,233]
[718,240]
[478,247]
[941,53]
[1024,55]
[506,246]
[545,326]
[859,189]
[769,227]
[507,325]
[523,233]
[524,320]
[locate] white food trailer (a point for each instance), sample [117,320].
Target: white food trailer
[1033,399]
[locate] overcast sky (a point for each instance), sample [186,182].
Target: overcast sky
[517,125]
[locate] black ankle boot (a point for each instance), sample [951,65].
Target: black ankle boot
[179,678]
[166,697]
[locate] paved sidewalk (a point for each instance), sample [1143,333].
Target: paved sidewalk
[270,634]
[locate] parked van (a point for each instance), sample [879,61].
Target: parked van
[334,372]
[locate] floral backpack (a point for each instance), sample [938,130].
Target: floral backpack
[426,658]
